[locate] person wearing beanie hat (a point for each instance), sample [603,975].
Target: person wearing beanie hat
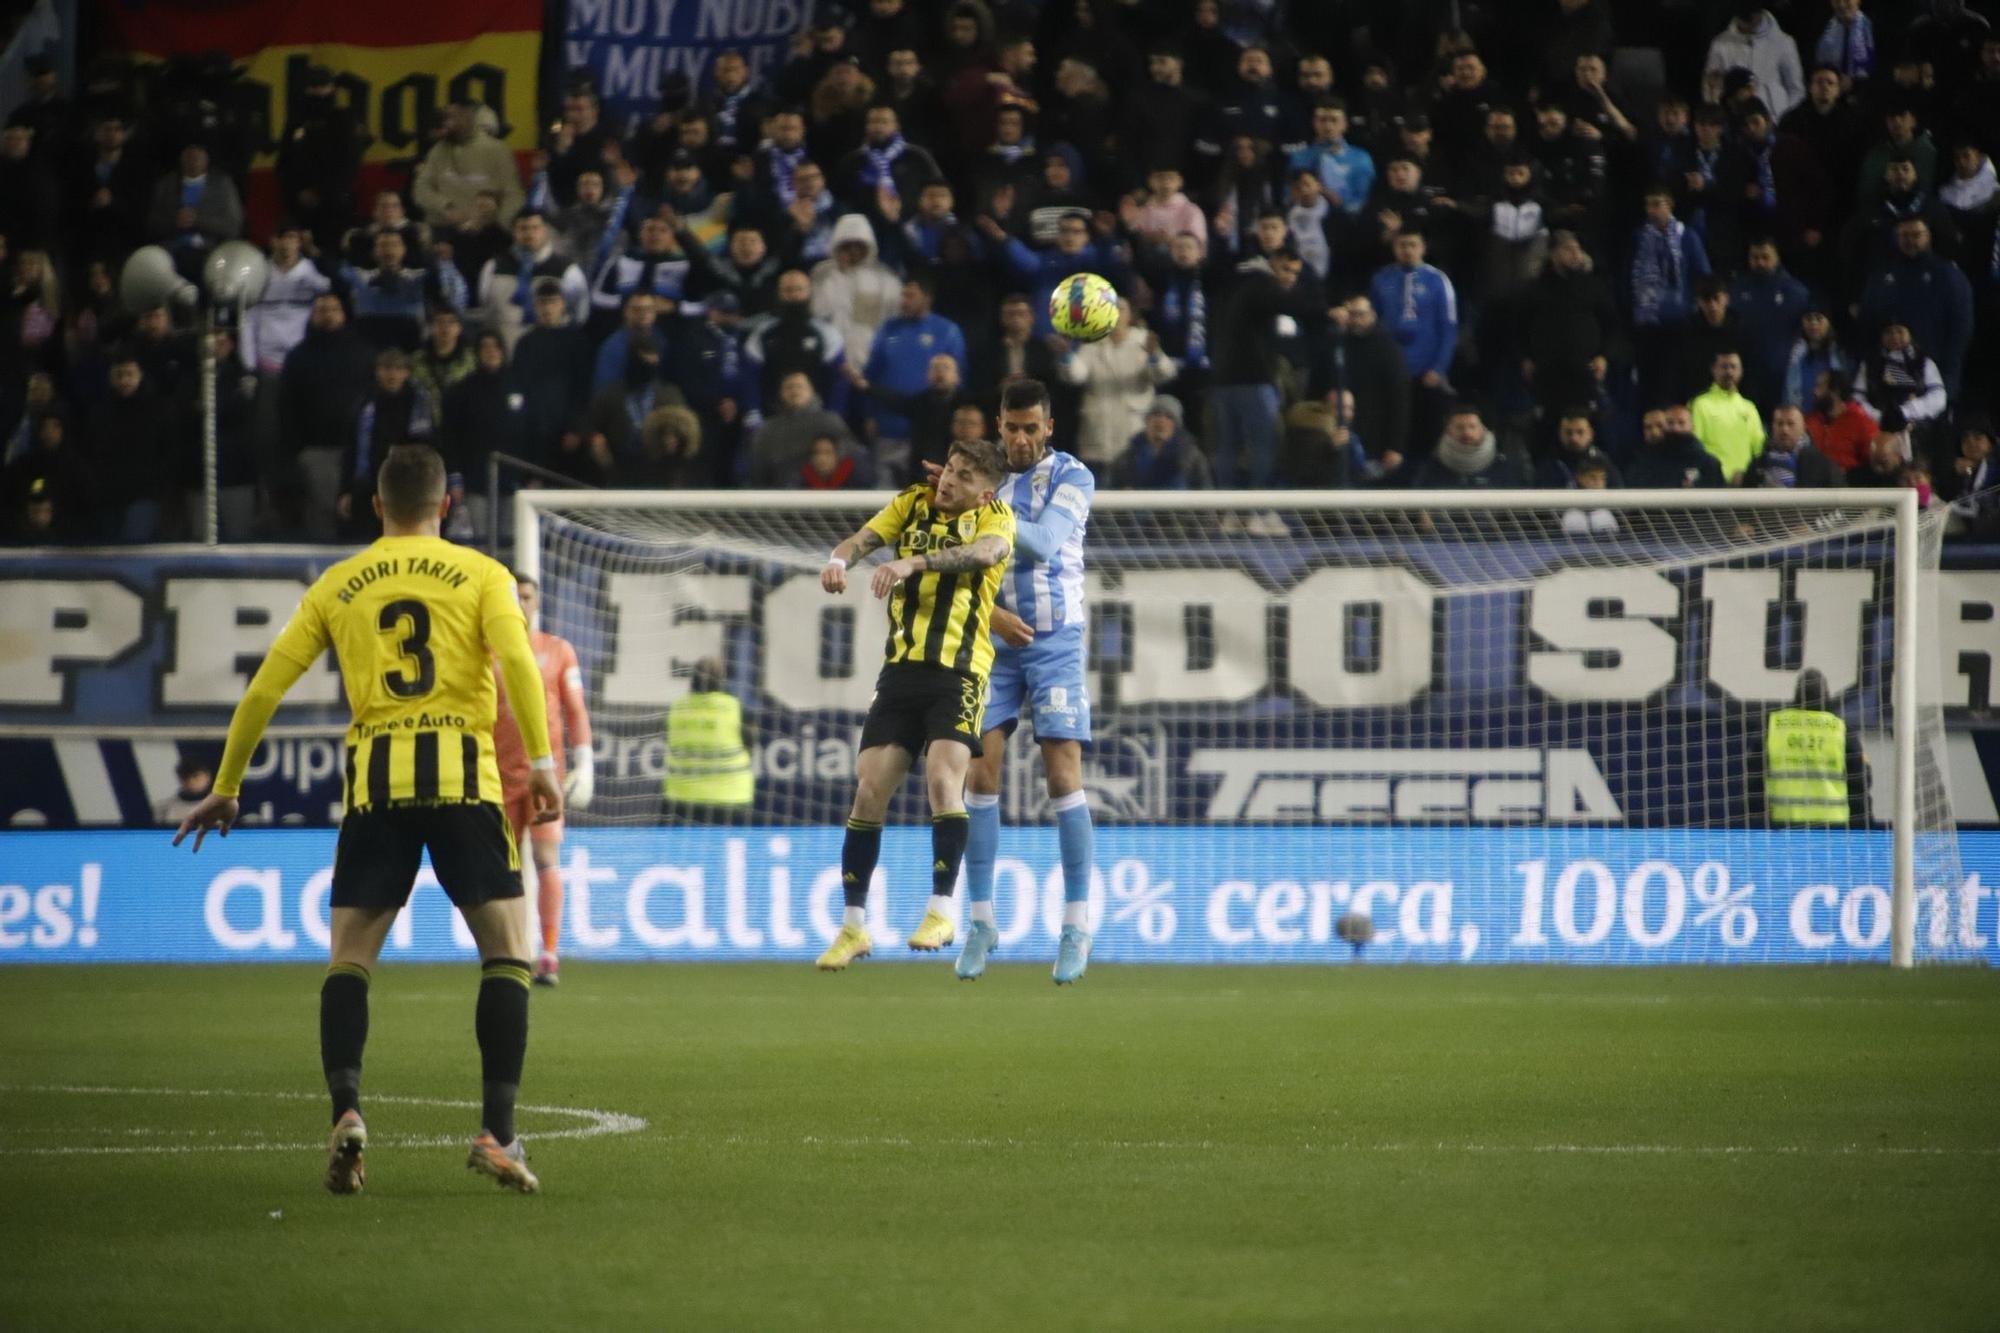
[1162,456]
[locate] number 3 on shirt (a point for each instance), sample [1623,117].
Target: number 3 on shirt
[415,647]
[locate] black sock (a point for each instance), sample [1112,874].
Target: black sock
[948,834]
[343,1031]
[502,1024]
[859,852]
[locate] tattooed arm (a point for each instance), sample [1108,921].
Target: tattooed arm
[988,551]
[982,554]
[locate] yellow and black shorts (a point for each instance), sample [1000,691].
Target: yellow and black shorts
[473,851]
[916,704]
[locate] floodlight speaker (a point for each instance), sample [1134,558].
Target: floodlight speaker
[236,273]
[149,280]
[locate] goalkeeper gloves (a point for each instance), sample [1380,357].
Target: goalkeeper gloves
[581,784]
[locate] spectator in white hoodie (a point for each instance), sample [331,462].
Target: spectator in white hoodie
[853,289]
[1753,41]
[1119,375]
[276,323]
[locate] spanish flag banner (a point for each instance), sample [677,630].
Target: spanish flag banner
[395,62]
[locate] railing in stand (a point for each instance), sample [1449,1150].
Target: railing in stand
[494,462]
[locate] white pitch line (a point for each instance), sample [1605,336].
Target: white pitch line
[603,1123]
[599,1123]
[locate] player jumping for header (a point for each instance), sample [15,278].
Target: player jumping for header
[952,544]
[1038,673]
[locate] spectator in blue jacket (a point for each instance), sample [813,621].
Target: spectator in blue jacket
[1667,259]
[390,300]
[1073,252]
[1928,293]
[1346,170]
[899,362]
[1419,307]
[641,329]
[1815,352]
[1768,303]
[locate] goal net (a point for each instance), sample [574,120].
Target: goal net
[1503,727]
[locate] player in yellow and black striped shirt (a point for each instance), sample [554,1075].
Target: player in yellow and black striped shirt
[952,545]
[415,622]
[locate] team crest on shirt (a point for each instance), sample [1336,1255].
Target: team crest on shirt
[967,525]
[1038,485]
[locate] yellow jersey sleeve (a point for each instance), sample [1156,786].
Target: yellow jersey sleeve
[895,516]
[303,641]
[305,637]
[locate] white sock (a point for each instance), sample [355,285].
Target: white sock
[983,912]
[856,917]
[1076,914]
[941,904]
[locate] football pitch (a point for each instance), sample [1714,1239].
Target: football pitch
[762,1147]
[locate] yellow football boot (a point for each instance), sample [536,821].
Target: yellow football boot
[850,945]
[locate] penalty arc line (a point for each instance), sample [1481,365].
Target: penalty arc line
[599,1123]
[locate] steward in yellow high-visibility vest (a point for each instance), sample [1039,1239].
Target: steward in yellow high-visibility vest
[1814,774]
[708,763]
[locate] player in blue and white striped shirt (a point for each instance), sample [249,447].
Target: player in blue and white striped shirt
[1038,673]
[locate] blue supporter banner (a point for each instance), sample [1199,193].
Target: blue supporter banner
[631,45]
[1162,895]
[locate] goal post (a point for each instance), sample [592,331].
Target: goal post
[1551,703]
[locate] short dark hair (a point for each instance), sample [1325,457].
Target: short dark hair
[984,456]
[1465,407]
[1025,395]
[1578,412]
[410,483]
[531,212]
[528,579]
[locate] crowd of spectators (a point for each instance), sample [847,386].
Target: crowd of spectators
[1488,243]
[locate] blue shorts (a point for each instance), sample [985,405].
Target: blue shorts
[1042,684]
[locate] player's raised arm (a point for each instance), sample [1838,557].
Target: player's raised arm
[506,632]
[876,533]
[302,642]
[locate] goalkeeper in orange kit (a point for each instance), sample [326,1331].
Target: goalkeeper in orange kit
[569,720]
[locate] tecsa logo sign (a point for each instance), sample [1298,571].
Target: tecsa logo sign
[1355,786]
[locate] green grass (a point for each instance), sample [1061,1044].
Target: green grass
[1157,1148]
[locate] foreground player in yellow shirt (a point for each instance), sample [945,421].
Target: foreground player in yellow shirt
[415,622]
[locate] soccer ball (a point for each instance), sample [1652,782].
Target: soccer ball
[1084,307]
